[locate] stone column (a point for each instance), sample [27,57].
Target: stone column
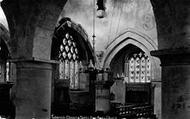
[173,26]
[33,89]
[175,83]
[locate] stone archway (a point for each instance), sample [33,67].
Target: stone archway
[173,14]
[130,36]
[73,52]
[137,39]
[65,23]
[146,44]
[31,25]
[31,31]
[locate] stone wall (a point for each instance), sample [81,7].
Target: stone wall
[125,22]
[119,17]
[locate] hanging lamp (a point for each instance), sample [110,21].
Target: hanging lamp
[100,9]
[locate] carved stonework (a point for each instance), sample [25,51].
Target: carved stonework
[130,6]
[148,22]
[99,55]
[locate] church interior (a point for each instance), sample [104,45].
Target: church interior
[94,59]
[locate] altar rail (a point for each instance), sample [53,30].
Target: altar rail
[135,111]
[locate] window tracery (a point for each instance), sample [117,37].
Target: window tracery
[139,68]
[69,61]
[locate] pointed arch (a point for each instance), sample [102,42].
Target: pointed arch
[66,24]
[71,48]
[130,36]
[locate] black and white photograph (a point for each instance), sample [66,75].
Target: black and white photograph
[94,59]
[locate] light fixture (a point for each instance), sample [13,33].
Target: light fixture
[93,27]
[101,9]
[100,13]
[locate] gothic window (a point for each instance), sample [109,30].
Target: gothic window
[139,68]
[69,61]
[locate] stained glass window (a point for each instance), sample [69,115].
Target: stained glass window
[139,68]
[69,61]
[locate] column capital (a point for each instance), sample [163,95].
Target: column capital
[176,56]
[33,59]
